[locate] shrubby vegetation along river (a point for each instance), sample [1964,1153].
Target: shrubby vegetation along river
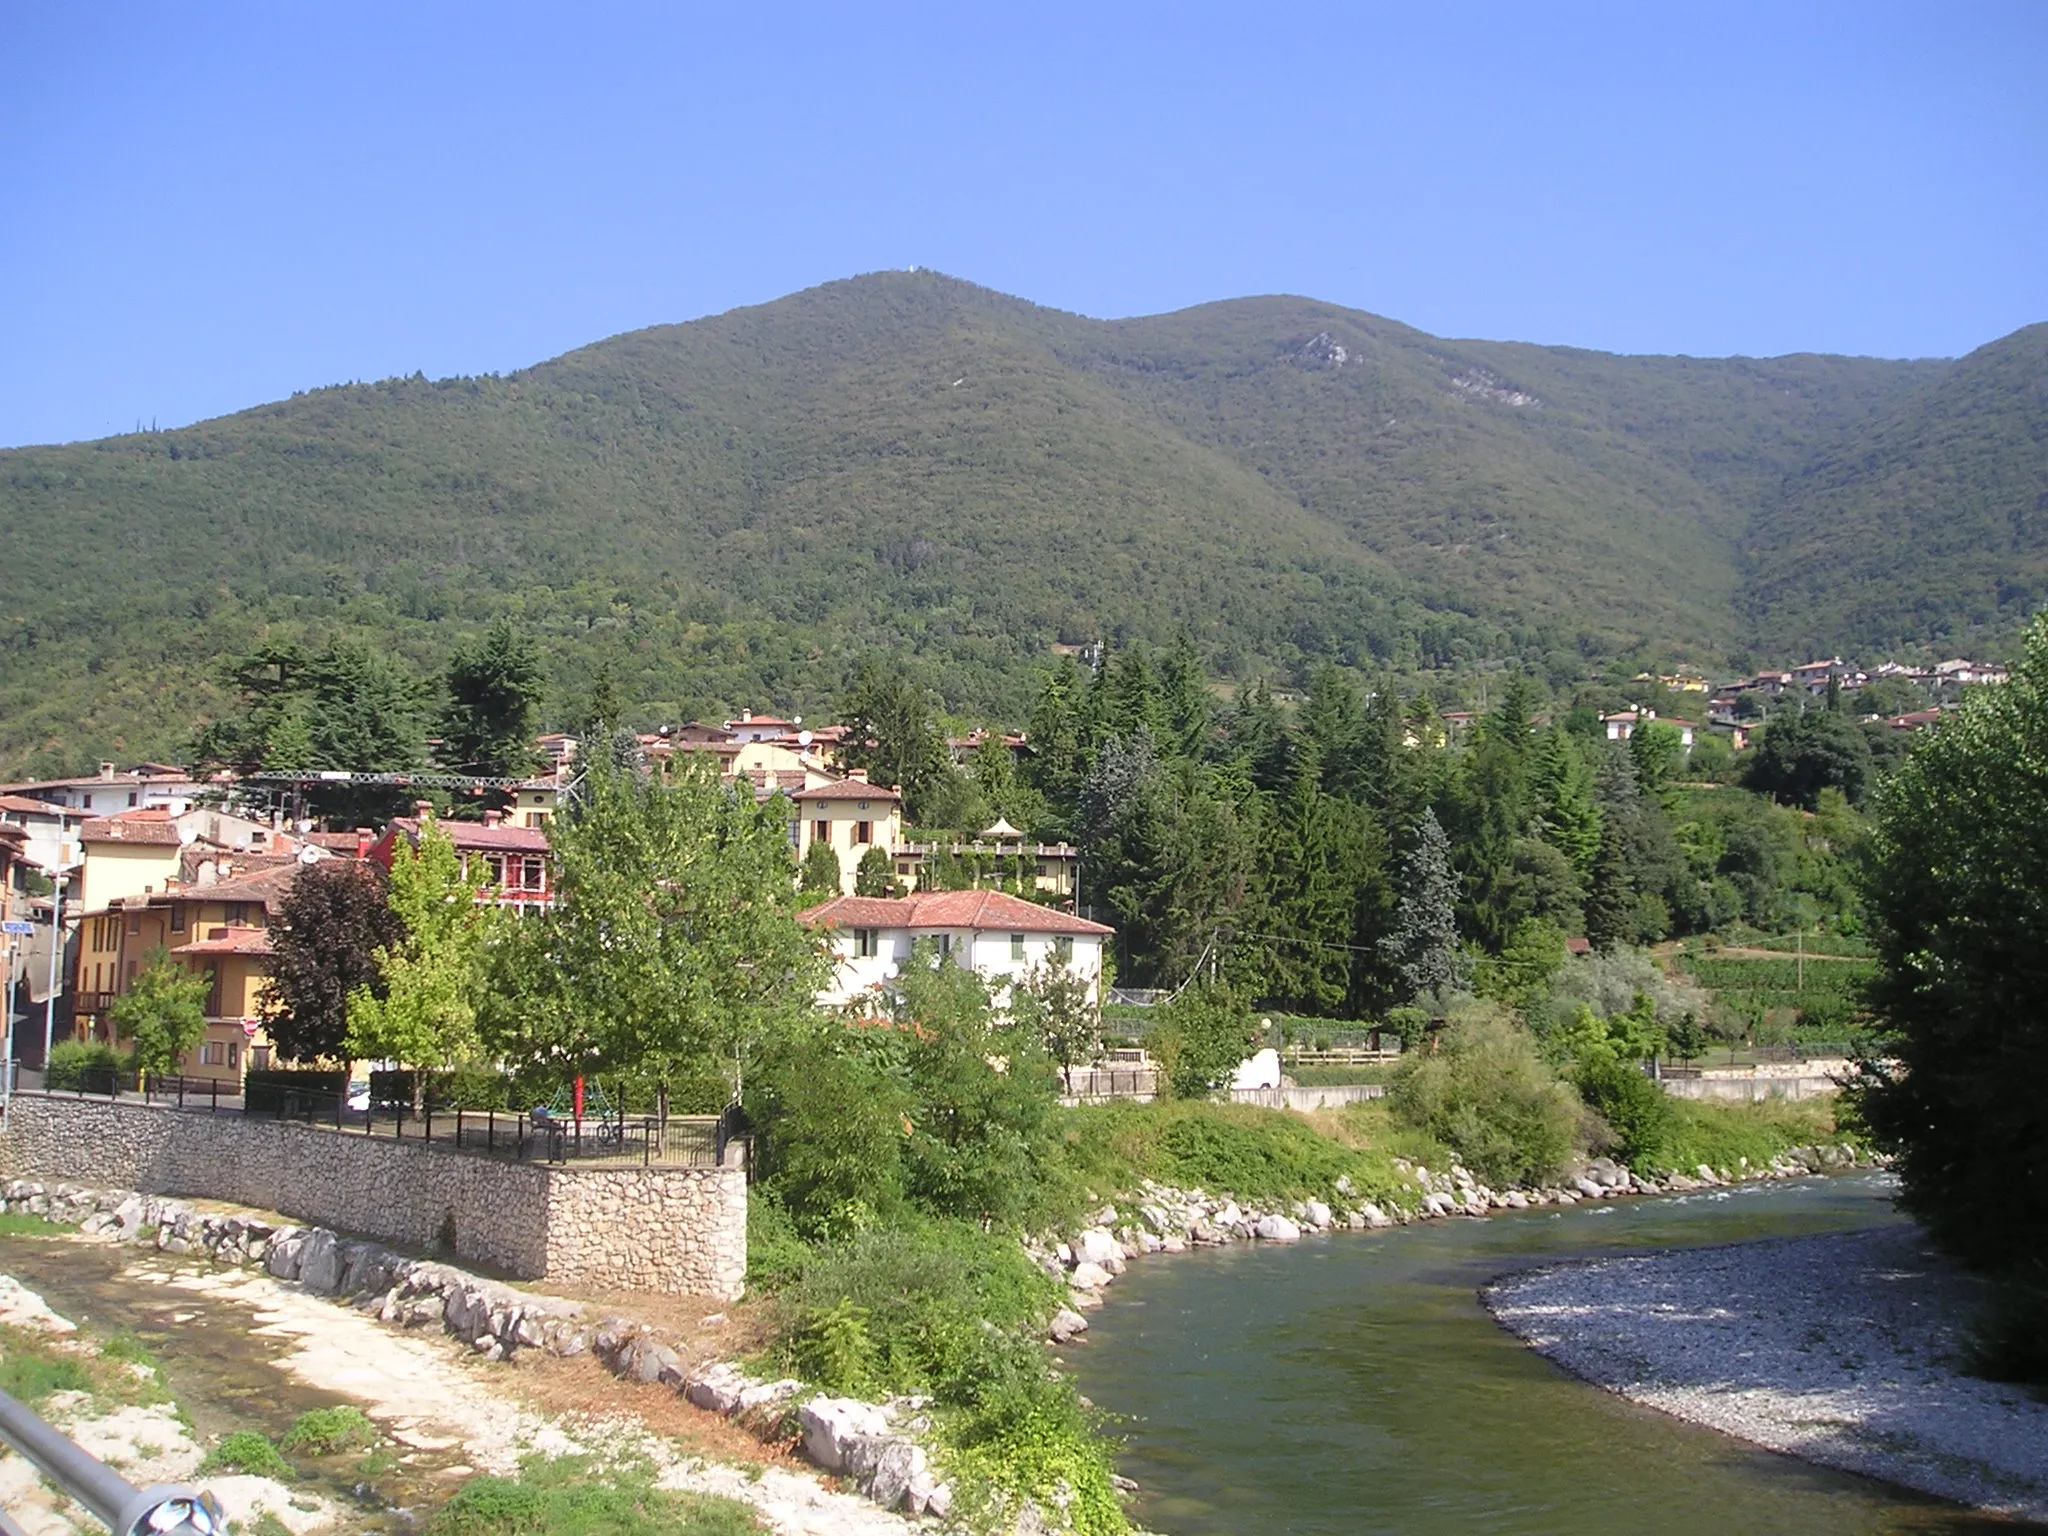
[1354,1384]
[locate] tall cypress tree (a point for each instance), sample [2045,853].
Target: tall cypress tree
[1423,947]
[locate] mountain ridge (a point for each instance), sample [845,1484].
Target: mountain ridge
[735,509]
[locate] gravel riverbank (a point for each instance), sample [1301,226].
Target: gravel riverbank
[1841,1349]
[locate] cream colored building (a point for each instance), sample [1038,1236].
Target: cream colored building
[850,816]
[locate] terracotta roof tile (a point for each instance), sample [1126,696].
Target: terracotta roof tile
[152,832]
[848,789]
[979,911]
[476,837]
[229,941]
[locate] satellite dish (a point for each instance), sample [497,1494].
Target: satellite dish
[187,836]
[309,854]
[889,972]
[803,738]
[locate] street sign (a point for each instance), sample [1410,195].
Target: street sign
[12,926]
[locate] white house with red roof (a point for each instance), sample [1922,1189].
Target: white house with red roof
[992,933]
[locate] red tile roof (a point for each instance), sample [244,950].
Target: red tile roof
[979,911]
[229,941]
[139,827]
[477,837]
[25,805]
[848,789]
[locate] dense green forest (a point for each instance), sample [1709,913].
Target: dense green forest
[740,509]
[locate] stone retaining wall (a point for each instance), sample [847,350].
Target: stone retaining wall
[656,1229]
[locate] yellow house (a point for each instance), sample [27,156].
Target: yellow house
[850,816]
[219,931]
[132,855]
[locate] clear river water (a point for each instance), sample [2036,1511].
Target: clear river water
[1354,1384]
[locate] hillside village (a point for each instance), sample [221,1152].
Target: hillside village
[129,861]
[153,858]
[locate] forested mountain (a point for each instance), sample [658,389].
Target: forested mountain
[1931,520]
[737,509]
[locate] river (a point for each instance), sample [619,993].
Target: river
[1354,1384]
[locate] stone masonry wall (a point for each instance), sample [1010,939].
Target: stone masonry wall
[663,1229]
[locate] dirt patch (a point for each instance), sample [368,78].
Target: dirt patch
[582,1386]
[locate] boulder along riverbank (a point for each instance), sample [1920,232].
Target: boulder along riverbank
[1843,1349]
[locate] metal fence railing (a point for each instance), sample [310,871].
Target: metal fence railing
[537,1135]
[164,1510]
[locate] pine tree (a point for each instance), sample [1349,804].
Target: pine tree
[1423,948]
[875,875]
[494,691]
[1188,714]
[1611,906]
[1566,817]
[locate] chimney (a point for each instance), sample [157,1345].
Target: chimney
[424,809]
[493,817]
[364,837]
[745,716]
[858,775]
[106,770]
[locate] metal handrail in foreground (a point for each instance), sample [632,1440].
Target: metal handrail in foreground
[168,1509]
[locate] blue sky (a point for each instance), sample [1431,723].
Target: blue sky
[206,207]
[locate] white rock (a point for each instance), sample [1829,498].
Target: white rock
[1088,1277]
[1066,1325]
[1096,1246]
[1277,1229]
[832,1426]
[1318,1215]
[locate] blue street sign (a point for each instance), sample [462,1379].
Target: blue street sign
[14,927]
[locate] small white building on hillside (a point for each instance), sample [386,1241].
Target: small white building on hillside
[992,933]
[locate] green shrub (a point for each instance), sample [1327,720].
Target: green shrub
[572,1496]
[944,1308]
[250,1451]
[1489,1096]
[324,1431]
[776,1254]
[878,1312]
[1199,1038]
[1640,1114]
[76,1064]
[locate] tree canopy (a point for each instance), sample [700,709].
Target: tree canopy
[1959,891]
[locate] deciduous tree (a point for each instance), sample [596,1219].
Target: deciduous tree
[163,1013]
[1959,891]
[426,1016]
[335,917]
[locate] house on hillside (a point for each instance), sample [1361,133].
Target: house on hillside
[997,936]
[145,787]
[137,852]
[1622,726]
[850,816]
[49,831]
[219,931]
[512,861]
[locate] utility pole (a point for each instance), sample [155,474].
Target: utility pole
[56,962]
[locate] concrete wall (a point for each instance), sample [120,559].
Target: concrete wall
[1750,1090]
[1332,1096]
[658,1229]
